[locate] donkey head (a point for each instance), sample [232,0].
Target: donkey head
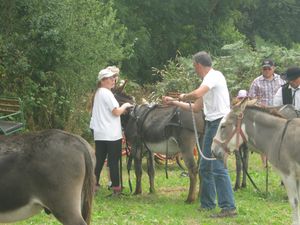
[122,98]
[230,134]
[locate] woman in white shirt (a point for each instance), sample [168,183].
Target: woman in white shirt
[106,126]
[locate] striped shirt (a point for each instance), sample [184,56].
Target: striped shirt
[264,90]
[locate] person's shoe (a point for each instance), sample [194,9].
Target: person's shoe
[225,213]
[117,190]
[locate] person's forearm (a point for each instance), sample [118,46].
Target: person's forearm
[194,95]
[118,111]
[189,96]
[186,106]
[183,105]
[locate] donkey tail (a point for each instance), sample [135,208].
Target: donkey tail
[88,184]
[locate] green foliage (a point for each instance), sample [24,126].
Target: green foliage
[241,65]
[275,21]
[238,62]
[161,28]
[177,76]
[51,52]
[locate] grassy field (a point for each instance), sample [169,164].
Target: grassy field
[167,205]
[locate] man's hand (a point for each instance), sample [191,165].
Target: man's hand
[127,105]
[182,97]
[168,100]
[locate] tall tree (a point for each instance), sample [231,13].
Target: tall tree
[276,21]
[161,28]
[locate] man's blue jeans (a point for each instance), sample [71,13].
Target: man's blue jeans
[215,178]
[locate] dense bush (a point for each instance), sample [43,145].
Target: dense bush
[51,52]
[239,63]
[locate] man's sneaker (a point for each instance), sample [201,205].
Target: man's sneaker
[225,213]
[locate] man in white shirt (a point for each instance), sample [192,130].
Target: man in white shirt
[289,93]
[212,95]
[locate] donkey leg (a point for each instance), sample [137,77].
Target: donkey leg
[238,170]
[138,171]
[65,204]
[151,171]
[292,186]
[189,161]
[71,218]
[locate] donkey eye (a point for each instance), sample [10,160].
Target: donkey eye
[223,126]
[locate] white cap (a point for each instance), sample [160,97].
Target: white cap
[242,94]
[105,73]
[114,69]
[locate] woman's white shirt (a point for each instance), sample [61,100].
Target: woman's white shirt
[106,126]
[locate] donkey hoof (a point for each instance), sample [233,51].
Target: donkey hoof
[152,191]
[189,201]
[236,188]
[137,193]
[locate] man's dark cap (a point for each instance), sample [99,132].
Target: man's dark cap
[268,63]
[291,73]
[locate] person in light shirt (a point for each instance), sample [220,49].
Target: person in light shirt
[264,87]
[213,96]
[106,125]
[290,92]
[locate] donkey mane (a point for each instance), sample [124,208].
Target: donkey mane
[157,105]
[271,110]
[122,97]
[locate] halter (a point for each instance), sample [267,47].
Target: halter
[238,131]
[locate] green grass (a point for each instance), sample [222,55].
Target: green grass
[167,205]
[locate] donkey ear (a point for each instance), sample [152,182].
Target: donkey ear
[240,106]
[252,101]
[247,101]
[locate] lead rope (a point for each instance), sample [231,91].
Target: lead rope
[246,170]
[167,153]
[197,138]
